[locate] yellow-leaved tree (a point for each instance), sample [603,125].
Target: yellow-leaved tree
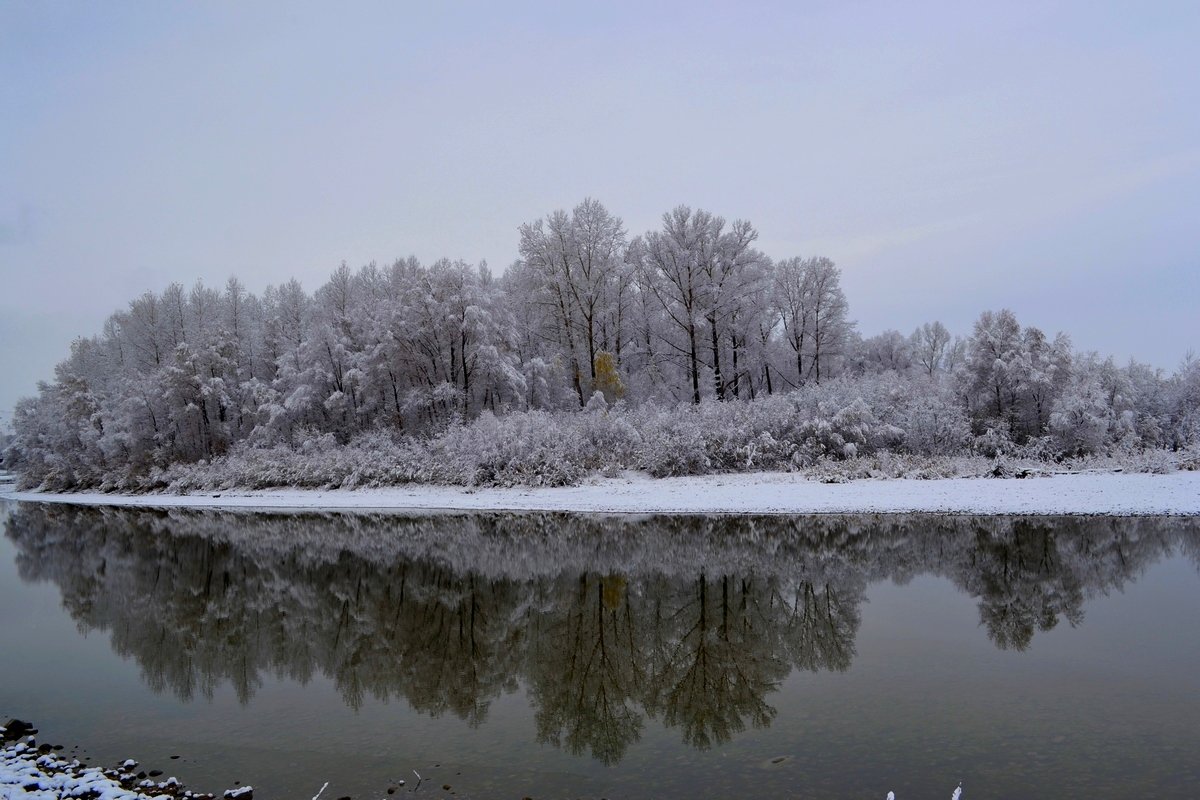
[607,379]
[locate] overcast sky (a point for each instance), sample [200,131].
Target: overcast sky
[950,157]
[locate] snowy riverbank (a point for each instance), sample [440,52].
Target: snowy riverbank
[1175,493]
[35,772]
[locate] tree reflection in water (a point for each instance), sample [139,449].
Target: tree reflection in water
[693,620]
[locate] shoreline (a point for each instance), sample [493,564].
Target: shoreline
[1108,494]
[43,771]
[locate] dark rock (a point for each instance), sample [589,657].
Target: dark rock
[174,757]
[14,729]
[154,773]
[446,787]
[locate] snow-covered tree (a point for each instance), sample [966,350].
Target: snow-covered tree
[574,266]
[813,312]
[929,344]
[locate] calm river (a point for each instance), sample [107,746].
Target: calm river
[553,655]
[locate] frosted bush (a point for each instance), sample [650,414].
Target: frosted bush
[673,444]
[531,448]
[993,442]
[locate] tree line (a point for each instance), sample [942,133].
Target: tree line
[587,317]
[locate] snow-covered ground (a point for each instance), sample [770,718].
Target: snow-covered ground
[1096,493]
[32,775]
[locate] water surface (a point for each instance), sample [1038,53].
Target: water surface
[554,655]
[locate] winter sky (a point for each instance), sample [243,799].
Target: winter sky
[951,157]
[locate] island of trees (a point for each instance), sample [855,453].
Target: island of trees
[683,350]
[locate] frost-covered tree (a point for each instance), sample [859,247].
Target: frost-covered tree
[929,344]
[735,275]
[1182,397]
[674,269]
[1012,377]
[701,287]
[830,327]
[992,356]
[889,351]
[574,266]
[813,312]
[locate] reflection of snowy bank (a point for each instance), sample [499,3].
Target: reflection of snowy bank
[536,545]
[605,621]
[770,492]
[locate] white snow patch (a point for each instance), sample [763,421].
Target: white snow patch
[1176,493]
[26,774]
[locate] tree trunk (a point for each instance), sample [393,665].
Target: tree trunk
[718,381]
[695,365]
[734,354]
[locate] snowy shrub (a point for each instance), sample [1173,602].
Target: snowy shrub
[1080,424]
[1158,462]
[673,444]
[596,403]
[1040,448]
[610,439]
[994,442]
[933,420]
[530,448]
